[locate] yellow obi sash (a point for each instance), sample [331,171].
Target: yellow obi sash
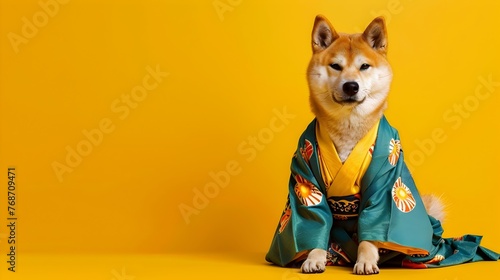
[344,179]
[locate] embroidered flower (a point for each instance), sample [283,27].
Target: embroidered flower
[402,197]
[394,151]
[335,251]
[285,217]
[307,151]
[372,148]
[307,193]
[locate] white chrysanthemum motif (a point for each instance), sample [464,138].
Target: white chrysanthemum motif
[394,151]
[307,193]
[402,197]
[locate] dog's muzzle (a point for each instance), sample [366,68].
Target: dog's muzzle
[349,96]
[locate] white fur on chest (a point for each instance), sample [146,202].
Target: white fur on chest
[344,148]
[347,133]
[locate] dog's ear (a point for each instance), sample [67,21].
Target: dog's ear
[323,34]
[376,35]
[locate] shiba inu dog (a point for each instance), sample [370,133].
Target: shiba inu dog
[352,199]
[349,79]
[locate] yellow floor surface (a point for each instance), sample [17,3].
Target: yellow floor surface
[209,266]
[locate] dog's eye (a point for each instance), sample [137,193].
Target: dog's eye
[364,66]
[336,66]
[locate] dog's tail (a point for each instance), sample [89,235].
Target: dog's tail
[434,206]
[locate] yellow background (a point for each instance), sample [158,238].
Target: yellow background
[231,66]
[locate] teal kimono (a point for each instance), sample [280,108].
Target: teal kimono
[387,210]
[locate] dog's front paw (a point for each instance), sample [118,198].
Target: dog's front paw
[313,266]
[366,268]
[315,262]
[367,259]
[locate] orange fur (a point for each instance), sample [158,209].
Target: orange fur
[348,113]
[359,62]
[325,83]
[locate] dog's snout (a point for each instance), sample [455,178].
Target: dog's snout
[350,88]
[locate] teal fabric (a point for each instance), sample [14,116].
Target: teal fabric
[380,218]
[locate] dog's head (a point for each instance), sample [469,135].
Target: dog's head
[348,72]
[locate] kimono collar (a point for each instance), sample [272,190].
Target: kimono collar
[344,177]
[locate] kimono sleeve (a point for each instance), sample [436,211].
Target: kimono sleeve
[392,212]
[306,221]
[395,215]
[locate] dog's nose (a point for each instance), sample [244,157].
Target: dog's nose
[350,88]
